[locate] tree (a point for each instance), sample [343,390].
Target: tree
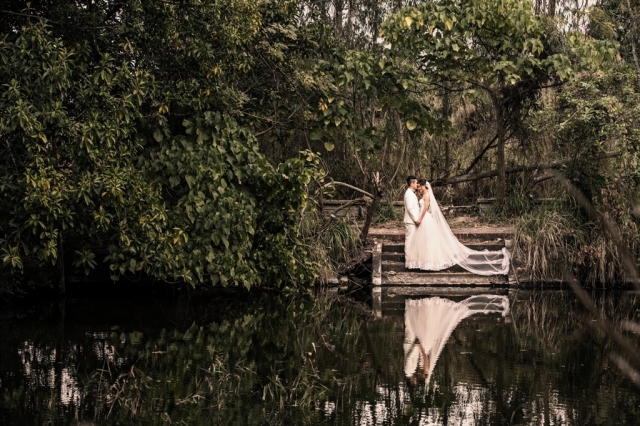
[118,139]
[617,20]
[496,48]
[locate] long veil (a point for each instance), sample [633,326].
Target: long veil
[448,251]
[429,323]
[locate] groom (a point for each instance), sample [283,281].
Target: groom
[411,209]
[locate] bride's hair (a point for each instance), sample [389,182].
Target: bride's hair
[422,182]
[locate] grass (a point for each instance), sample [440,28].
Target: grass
[543,238]
[553,235]
[329,242]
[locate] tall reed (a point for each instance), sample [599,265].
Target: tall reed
[542,238]
[329,241]
[554,235]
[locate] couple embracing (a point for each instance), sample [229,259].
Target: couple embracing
[431,245]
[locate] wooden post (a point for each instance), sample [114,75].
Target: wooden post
[376,263]
[376,301]
[512,279]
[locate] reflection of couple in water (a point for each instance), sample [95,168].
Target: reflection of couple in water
[429,323]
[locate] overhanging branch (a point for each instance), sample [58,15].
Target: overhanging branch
[334,183]
[515,169]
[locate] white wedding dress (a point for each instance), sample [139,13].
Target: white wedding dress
[428,323]
[434,247]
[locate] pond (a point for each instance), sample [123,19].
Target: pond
[516,358]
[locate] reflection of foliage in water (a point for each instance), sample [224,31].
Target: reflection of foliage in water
[546,367]
[259,367]
[275,360]
[573,359]
[544,320]
[278,360]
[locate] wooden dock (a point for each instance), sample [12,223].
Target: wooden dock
[388,268]
[466,235]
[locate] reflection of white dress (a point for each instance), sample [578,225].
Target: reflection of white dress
[434,247]
[429,323]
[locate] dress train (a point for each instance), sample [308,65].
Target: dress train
[434,247]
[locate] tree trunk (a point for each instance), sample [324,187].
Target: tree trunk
[502,176]
[551,8]
[447,145]
[378,191]
[479,156]
[367,222]
[337,19]
[62,283]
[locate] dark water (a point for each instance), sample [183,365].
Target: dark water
[270,359]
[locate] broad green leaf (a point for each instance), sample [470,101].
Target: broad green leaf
[157,135]
[315,135]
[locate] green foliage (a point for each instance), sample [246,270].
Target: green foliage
[104,151]
[545,240]
[166,140]
[369,112]
[340,237]
[594,114]
[496,49]
[68,131]
[386,212]
[617,20]
[484,44]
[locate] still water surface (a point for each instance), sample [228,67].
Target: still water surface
[268,359]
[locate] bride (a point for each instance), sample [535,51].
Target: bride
[434,247]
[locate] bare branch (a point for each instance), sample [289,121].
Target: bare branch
[362,191]
[515,169]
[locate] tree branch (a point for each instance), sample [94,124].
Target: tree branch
[334,183]
[515,169]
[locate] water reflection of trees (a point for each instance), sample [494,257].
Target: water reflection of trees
[267,363]
[574,364]
[284,361]
[546,366]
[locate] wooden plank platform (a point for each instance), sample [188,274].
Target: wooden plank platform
[463,234]
[442,278]
[398,267]
[389,248]
[455,292]
[389,267]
